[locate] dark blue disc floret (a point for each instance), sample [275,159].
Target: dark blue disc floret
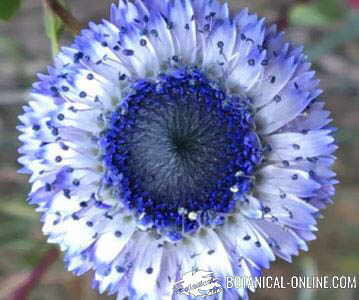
[179,152]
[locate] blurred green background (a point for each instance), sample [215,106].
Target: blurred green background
[330,31]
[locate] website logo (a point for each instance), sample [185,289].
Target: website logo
[198,283]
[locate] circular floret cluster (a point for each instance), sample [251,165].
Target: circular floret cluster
[176,136]
[180,153]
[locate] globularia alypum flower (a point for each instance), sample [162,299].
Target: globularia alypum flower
[177,136]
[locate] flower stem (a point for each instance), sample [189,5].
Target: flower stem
[22,292]
[73,25]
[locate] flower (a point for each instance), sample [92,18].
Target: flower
[176,136]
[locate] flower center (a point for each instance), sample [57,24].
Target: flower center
[179,152]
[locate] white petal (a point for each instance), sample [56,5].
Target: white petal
[281,181]
[289,146]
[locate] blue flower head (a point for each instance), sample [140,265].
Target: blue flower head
[177,136]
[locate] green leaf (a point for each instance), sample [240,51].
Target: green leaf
[345,33]
[331,9]
[319,13]
[53,28]
[8,8]
[304,14]
[18,210]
